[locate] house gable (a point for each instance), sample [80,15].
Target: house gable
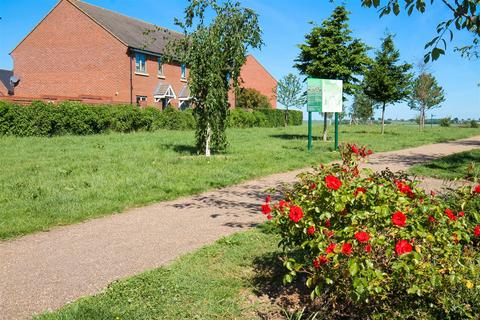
[68,54]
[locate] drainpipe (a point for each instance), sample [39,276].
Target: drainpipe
[131,78]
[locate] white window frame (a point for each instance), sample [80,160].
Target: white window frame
[160,68]
[139,63]
[183,71]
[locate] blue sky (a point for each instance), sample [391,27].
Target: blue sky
[284,24]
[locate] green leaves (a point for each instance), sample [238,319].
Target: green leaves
[331,52]
[215,53]
[354,251]
[464,15]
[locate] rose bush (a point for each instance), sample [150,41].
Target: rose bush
[375,245]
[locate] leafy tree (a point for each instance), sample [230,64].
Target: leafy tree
[251,99]
[214,51]
[426,94]
[387,81]
[465,16]
[362,107]
[330,52]
[290,93]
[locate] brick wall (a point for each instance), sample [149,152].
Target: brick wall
[255,76]
[145,85]
[68,54]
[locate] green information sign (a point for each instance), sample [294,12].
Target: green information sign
[324,95]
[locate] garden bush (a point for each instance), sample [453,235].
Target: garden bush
[445,122]
[376,246]
[47,119]
[251,99]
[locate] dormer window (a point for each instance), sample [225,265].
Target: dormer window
[140,63]
[184,71]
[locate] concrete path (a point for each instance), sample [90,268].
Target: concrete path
[44,271]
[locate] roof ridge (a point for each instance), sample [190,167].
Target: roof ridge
[123,15]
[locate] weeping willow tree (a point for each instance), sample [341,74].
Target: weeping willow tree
[214,49]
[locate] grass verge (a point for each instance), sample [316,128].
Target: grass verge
[46,182]
[463,165]
[218,281]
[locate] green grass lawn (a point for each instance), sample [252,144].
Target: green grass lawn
[215,282]
[45,182]
[463,165]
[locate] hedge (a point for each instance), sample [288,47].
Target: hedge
[47,119]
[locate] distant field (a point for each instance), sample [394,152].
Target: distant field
[45,182]
[463,165]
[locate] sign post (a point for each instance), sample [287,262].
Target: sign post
[309,131]
[324,95]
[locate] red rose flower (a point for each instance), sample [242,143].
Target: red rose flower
[461,214]
[311,230]
[266,208]
[268,199]
[368,248]
[399,219]
[313,186]
[476,231]
[355,149]
[282,204]
[327,223]
[333,182]
[450,214]
[433,193]
[347,249]
[269,217]
[431,219]
[319,261]
[296,213]
[330,248]
[359,190]
[402,247]
[369,152]
[362,236]
[477,189]
[404,189]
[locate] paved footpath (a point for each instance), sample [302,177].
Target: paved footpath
[46,270]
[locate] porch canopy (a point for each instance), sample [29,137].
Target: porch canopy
[164,91]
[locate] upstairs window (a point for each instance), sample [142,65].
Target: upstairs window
[160,67]
[140,63]
[184,71]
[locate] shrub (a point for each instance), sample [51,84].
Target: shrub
[251,99]
[473,124]
[376,246]
[445,122]
[47,119]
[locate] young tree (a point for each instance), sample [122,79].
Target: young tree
[214,51]
[464,16]
[290,93]
[330,52]
[362,107]
[387,81]
[426,94]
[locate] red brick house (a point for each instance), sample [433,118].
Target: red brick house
[83,52]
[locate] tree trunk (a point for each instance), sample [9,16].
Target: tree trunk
[286,117]
[423,119]
[383,118]
[325,126]
[207,141]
